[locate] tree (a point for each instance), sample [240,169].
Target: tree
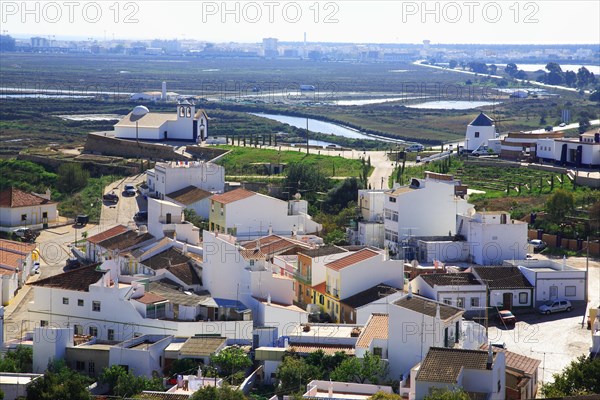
[584,124]
[581,377]
[385,396]
[584,77]
[521,74]
[492,69]
[183,366]
[559,205]
[213,393]
[445,394]
[193,218]
[71,177]
[59,383]
[570,78]
[294,373]
[478,67]
[18,360]
[511,69]
[230,361]
[305,179]
[595,96]
[124,383]
[369,368]
[452,64]
[342,194]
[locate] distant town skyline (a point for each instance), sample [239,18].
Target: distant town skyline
[402,22]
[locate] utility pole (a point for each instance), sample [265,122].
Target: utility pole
[306,135]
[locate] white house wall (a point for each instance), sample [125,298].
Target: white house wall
[358,277]
[12,216]
[381,306]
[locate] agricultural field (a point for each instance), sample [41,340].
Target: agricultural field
[248,161]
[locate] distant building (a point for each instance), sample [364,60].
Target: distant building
[270,47]
[479,131]
[185,125]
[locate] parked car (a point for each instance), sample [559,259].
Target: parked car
[557,305]
[82,220]
[36,267]
[538,245]
[141,216]
[500,345]
[507,317]
[26,234]
[111,198]
[415,147]
[562,124]
[130,190]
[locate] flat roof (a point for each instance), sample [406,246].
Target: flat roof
[324,330]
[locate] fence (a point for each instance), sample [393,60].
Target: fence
[566,244]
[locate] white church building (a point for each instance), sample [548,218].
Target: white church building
[479,131]
[186,124]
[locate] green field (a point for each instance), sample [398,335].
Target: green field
[248,161]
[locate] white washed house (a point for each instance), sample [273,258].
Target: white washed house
[507,286]
[479,131]
[246,214]
[19,208]
[169,177]
[369,229]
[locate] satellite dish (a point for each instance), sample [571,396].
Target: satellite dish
[140,111]
[297,196]
[143,229]
[414,263]
[471,211]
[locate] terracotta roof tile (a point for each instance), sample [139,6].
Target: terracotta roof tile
[444,364]
[518,362]
[273,245]
[186,273]
[352,259]
[13,197]
[12,255]
[125,240]
[114,231]
[370,295]
[18,247]
[150,298]
[234,195]
[78,279]
[498,277]
[189,195]
[428,307]
[376,328]
[460,278]
[165,259]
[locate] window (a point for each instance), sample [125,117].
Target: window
[321,300]
[523,298]
[221,210]
[394,216]
[476,134]
[460,302]
[95,306]
[80,302]
[91,368]
[78,329]
[474,301]
[448,301]
[79,365]
[65,300]
[111,334]
[377,351]
[570,291]
[23,217]
[43,323]
[337,308]
[93,331]
[308,292]
[45,214]
[392,199]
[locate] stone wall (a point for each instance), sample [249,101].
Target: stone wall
[98,144]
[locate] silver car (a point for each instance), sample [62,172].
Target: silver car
[557,305]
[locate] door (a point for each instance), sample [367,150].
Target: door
[168,218]
[553,292]
[507,301]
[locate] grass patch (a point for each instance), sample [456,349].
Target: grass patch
[87,201]
[248,161]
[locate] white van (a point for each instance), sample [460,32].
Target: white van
[415,148]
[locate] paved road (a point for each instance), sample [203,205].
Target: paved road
[125,209]
[555,339]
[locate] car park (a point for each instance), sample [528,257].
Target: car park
[538,245]
[506,317]
[557,305]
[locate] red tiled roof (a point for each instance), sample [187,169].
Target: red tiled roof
[13,197]
[117,230]
[273,245]
[125,240]
[11,245]
[376,328]
[150,298]
[352,259]
[78,279]
[189,195]
[518,362]
[12,255]
[234,195]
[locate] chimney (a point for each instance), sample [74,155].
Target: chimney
[490,359]
[410,293]
[437,312]
[564,263]
[184,249]
[269,299]
[164,91]
[270,229]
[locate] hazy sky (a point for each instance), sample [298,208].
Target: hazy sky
[519,22]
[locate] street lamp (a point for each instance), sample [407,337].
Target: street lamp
[137,114]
